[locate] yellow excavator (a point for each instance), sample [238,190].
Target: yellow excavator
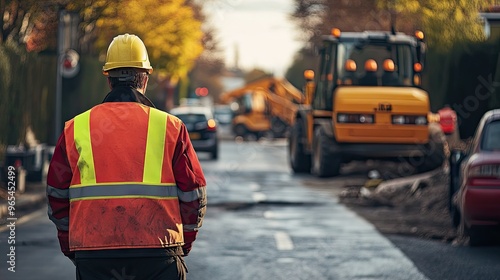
[267,105]
[366,102]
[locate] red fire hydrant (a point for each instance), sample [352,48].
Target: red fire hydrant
[447,120]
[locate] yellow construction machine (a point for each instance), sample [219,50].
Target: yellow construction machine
[366,102]
[264,106]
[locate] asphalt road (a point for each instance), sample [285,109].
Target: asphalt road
[263,222]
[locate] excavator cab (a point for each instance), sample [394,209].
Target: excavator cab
[367,59]
[383,64]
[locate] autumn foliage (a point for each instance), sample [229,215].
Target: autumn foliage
[169,29]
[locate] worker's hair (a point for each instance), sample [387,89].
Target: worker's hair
[136,81]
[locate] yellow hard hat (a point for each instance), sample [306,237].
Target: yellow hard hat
[127,51]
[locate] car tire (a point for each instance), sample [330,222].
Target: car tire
[455,216]
[476,236]
[215,152]
[452,190]
[240,130]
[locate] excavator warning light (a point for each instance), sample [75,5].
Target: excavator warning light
[371,65]
[336,32]
[419,34]
[309,75]
[389,65]
[350,65]
[417,67]
[417,80]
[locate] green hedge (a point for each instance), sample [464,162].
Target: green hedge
[465,78]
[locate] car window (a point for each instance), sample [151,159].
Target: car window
[223,116]
[491,137]
[192,118]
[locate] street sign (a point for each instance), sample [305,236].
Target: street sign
[70,66]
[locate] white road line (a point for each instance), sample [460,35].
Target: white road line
[258,197]
[283,241]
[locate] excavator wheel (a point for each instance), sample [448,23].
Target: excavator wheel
[299,160]
[324,162]
[240,130]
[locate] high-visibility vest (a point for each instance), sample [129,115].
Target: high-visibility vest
[123,192]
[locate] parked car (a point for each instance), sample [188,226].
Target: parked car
[223,114]
[201,126]
[474,191]
[224,117]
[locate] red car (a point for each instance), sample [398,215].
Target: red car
[475,183]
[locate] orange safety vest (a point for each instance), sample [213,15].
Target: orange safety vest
[123,192]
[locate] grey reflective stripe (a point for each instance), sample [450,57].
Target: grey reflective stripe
[57,193]
[123,190]
[61,224]
[192,195]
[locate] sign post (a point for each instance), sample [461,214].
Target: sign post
[67,59]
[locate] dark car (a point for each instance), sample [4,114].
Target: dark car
[202,128]
[475,183]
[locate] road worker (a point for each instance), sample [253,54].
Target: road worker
[125,188]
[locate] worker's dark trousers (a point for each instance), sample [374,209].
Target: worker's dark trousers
[145,268]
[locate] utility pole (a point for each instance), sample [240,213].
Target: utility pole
[67,59]
[60,42]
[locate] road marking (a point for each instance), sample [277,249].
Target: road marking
[258,197]
[254,186]
[283,241]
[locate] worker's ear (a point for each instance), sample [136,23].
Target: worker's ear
[145,84]
[109,84]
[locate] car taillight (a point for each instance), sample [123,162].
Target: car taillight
[484,175]
[355,118]
[402,119]
[211,125]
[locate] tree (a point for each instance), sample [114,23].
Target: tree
[445,22]
[303,60]
[90,11]
[33,23]
[20,19]
[208,68]
[168,27]
[318,17]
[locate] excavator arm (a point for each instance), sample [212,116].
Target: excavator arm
[281,101]
[280,87]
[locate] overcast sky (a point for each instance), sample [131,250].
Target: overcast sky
[261,31]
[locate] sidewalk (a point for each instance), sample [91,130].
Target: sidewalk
[31,199]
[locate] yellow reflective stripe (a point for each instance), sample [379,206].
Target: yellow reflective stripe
[83,144]
[155,145]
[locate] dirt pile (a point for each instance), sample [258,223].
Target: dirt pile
[418,208]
